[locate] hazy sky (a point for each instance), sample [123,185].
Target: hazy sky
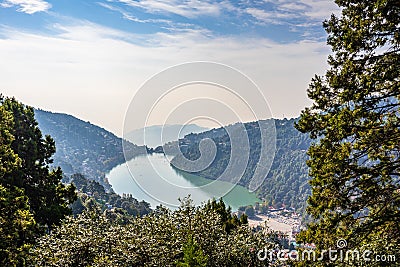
[88,58]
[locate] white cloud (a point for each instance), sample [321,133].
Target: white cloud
[93,71]
[27,6]
[186,8]
[271,17]
[297,14]
[293,6]
[311,12]
[320,9]
[124,14]
[164,23]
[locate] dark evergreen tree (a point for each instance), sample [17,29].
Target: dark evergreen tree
[17,227]
[228,220]
[355,121]
[16,221]
[193,256]
[49,199]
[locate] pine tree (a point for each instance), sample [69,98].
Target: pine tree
[49,199]
[17,227]
[230,222]
[16,220]
[193,256]
[355,121]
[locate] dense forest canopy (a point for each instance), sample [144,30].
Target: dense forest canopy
[286,183]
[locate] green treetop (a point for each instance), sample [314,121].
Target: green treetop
[16,221]
[48,197]
[355,160]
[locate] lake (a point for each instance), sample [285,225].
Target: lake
[151,178]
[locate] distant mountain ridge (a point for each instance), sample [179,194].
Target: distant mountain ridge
[82,147]
[157,135]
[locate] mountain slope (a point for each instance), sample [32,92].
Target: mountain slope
[83,147]
[287,181]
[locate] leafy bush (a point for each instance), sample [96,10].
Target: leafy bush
[159,239]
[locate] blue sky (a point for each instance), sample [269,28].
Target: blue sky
[281,21]
[79,57]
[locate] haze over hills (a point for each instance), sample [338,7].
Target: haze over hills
[91,150]
[82,147]
[158,135]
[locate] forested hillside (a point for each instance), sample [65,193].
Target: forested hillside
[287,181]
[83,147]
[91,193]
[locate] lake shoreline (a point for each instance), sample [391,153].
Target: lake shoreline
[152,179]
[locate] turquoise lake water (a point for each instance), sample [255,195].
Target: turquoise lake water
[151,178]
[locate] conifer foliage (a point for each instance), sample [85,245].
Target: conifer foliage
[32,197]
[355,121]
